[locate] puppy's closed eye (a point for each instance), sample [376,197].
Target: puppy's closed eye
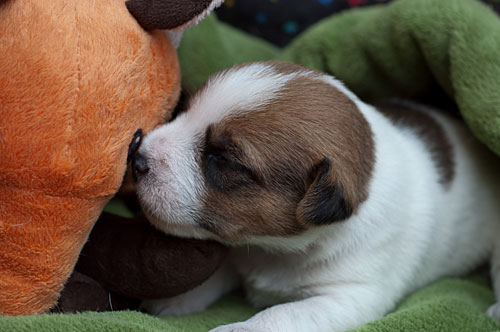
[226,174]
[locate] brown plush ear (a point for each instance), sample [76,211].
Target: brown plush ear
[131,258]
[170,14]
[325,201]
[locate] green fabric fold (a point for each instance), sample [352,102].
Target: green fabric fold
[406,49]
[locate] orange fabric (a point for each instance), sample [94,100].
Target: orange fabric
[77,79]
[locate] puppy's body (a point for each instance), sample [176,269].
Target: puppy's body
[336,209]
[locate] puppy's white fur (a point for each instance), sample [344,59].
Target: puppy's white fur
[410,231]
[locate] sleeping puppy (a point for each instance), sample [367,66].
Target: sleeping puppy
[335,209]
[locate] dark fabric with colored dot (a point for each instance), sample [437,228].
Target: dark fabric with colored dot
[279,21]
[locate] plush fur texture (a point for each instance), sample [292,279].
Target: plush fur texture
[387,209]
[74,87]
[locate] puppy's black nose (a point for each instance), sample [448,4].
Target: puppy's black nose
[135,144]
[139,165]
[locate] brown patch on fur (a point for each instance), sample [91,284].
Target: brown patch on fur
[277,150]
[429,130]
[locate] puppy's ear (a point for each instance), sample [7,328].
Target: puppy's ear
[170,14]
[325,201]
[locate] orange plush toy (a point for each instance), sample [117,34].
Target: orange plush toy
[77,79]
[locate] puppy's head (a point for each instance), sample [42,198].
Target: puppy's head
[264,149]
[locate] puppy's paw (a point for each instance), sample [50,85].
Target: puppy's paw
[238,327]
[494,311]
[174,306]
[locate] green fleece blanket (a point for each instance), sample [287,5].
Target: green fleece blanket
[448,305]
[405,49]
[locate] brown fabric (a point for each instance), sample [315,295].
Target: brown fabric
[166,14]
[82,293]
[429,130]
[132,259]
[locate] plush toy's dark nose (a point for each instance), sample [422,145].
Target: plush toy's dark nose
[139,165]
